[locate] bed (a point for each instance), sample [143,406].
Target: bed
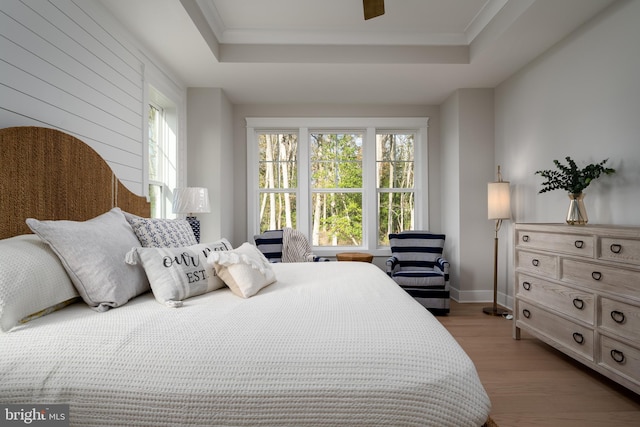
[325,344]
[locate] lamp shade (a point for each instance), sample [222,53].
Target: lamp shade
[190,200]
[498,200]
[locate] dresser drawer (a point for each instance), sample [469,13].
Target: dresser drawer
[620,357]
[602,277]
[574,244]
[577,304]
[545,265]
[620,250]
[567,334]
[620,318]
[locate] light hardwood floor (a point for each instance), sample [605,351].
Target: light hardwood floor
[532,384]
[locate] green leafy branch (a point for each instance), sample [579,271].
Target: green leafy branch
[570,178]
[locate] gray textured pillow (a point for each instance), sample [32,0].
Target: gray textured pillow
[93,254]
[33,282]
[162,233]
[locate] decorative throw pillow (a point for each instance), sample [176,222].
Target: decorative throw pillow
[162,233]
[245,269]
[93,254]
[176,274]
[33,282]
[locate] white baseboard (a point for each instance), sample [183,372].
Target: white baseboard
[481,296]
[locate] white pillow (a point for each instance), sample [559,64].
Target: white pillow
[162,233]
[176,274]
[33,282]
[245,269]
[93,254]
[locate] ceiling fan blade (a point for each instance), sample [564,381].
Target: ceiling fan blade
[373,8]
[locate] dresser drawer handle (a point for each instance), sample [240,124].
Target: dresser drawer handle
[579,244]
[617,316]
[617,356]
[596,275]
[525,238]
[526,286]
[616,248]
[526,313]
[578,337]
[578,303]
[535,262]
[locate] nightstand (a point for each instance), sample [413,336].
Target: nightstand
[354,256]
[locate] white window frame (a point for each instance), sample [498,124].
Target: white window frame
[169,141]
[369,126]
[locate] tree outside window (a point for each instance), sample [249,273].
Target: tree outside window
[345,189]
[336,188]
[162,154]
[395,182]
[278,176]
[156,186]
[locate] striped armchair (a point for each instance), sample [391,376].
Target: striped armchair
[417,266]
[272,244]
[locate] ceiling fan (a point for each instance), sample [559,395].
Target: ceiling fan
[373,8]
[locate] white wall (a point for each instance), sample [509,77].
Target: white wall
[450,184]
[467,139]
[580,99]
[210,159]
[70,65]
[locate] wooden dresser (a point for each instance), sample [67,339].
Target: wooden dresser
[577,288]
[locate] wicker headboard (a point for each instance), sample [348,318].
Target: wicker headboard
[48,174]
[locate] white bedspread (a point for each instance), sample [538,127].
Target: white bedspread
[328,344]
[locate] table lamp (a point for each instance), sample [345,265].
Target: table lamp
[191,200]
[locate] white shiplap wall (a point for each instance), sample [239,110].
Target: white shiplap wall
[60,67]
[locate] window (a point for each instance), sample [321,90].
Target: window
[278,180]
[345,183]
[156,186]
[336,188]
[395,183]
[162,155]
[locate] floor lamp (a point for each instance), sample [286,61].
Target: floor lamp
[498,209]
[191,200]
